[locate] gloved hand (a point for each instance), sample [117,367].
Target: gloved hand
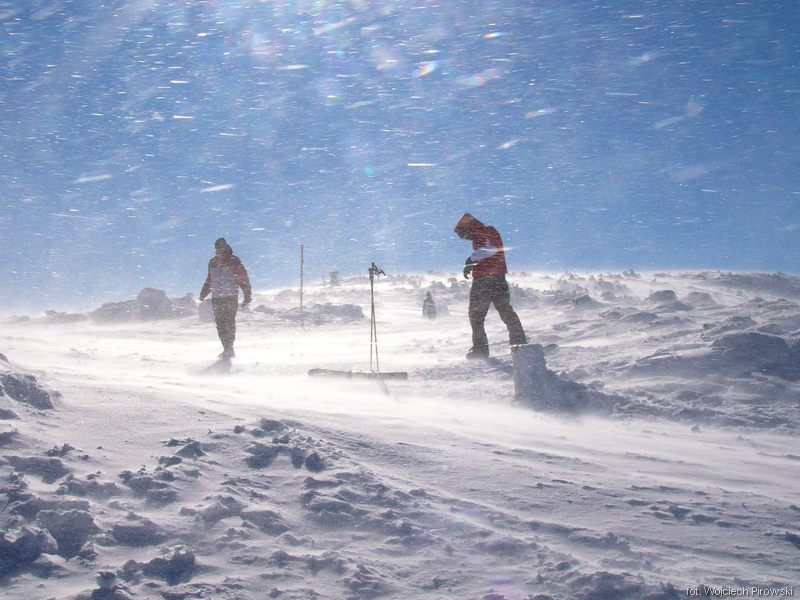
[468,267]
[247,301]
[202,298]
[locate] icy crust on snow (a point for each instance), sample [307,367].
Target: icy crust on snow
[270,509]
[451,485]
[267,510]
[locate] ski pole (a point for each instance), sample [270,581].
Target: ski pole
[374,270]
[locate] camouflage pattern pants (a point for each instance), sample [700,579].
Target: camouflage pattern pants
[485,291]
[225,316]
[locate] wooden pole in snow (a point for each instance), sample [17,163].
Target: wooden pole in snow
[302,273]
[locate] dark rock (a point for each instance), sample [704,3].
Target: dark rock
[92,486]
[193,449]
[87,552]
[266,520]
[175,568]
[751,351]
[330,561]
[150,305]
[153,304]
[316,484]
[585,302]
[49,469]
[166,475]
[7,437]
[666,299]
[170,461]
[143,483]
[108,588]
[298,456]
[31,507]
[748,345]
[314,463]
[603,585]
[48,566]
[113,312]
[28,545]
[7,414]
[26,390]
[270,425]
[364,583]
[185,306]
[262,455]
[60,451]
[701,300]
[118,592]
[138,531]
[320,314]
[53,316]
[161,496]
[221,508]
[640,317]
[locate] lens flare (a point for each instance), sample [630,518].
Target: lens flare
[426,69]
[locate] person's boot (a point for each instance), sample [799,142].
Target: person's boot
[518,338]
[228,352]
[478,352]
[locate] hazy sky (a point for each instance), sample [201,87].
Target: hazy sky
[594,135]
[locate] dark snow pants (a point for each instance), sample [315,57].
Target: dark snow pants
[485,291]
[225,315]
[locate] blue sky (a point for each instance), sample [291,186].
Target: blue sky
[645,135]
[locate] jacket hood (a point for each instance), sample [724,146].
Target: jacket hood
[223,245]
[467,222]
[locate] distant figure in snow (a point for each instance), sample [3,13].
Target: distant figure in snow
[487,264]
[428,307]
[226,274]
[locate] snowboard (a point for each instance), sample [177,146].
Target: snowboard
[358,374]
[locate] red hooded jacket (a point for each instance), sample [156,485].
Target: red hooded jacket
[486,238]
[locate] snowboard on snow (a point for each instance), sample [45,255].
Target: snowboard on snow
[358,374]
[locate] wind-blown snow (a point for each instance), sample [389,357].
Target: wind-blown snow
[129,469]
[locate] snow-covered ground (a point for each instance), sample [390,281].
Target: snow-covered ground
[662,455]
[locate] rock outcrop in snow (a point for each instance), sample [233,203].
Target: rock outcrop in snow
[21,388]
[542,389]
[150,305]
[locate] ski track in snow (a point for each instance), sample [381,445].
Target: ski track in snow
[261,482]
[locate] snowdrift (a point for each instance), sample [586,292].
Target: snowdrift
[644,444]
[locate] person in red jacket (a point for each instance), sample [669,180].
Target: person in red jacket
[226,274]
[487,264]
